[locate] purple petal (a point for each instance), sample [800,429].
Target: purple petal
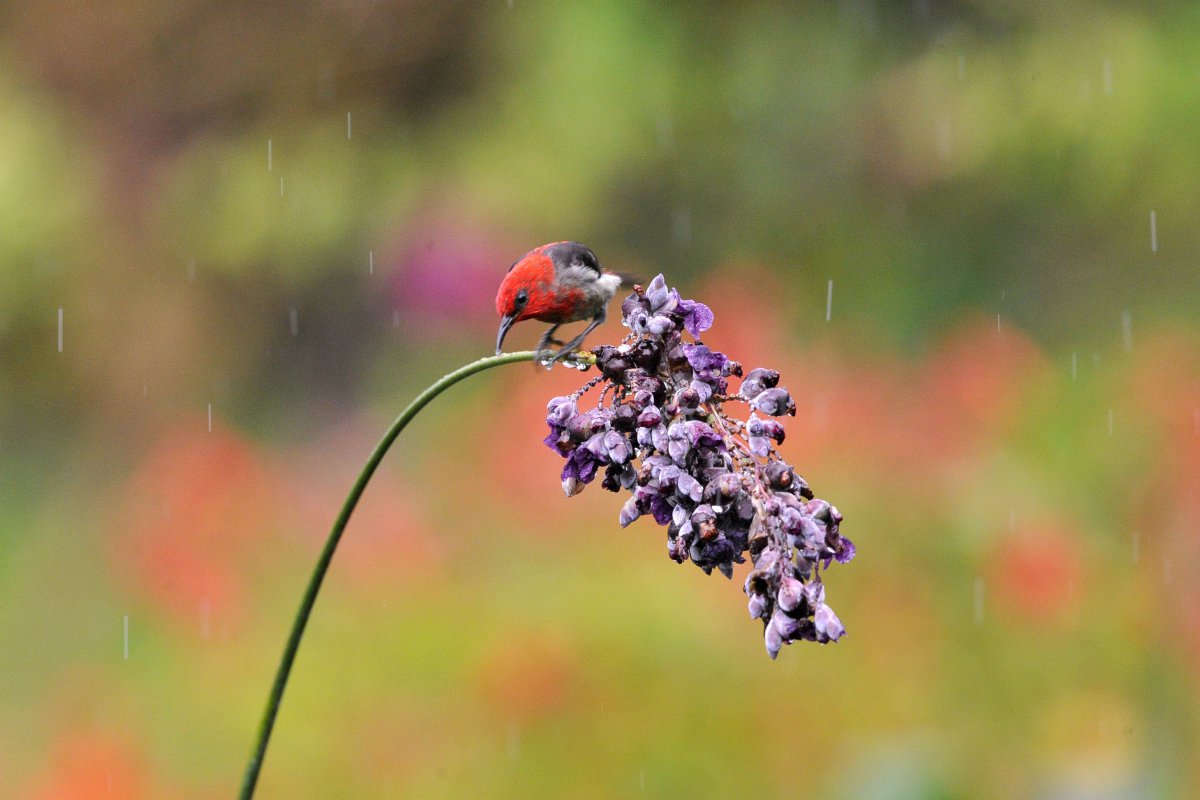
[697,317]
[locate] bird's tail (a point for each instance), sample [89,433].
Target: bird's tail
[628,279]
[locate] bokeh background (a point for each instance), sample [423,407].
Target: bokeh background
[264,227]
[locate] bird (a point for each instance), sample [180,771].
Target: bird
[558,283]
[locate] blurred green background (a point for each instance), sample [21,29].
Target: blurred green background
[265,227]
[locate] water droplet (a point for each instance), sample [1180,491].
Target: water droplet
[281,186]
[1153,232]
[60,335]
[513,740]
[347,124]
[210,417]
[294,320]
[829,300]
[997,323]
[268,155]
[1074,366]
[945,139]
[371,261]
[681,226]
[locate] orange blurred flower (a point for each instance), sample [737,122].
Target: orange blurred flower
[1036,574]
[193,515]
[86,765]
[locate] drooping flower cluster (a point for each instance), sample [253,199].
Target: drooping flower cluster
[660,431]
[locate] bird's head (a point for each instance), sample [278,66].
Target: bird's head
[530,290]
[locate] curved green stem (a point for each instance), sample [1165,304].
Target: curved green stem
[314,583]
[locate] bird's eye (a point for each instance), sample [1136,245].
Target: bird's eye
[522,298]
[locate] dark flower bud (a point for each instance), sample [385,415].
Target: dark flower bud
[758,381]
[612,478]
[624,418]
[779,476]
[722,488]
[646,354]
[677,359]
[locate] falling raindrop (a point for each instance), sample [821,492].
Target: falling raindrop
[268,155]
[281,186]
[979,601]
[1153,233]
[945,140]
[1108,76]
[371,261]
[210,417]
[1127,331]
[347,124]
[829,300]
[513,740]
[126,637]
[681,226]
[997,323]
[294,320]
[60,329]
[1074,366]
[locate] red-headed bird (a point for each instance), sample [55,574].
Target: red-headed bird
[557,283]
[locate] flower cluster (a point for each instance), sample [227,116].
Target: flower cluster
[659,430]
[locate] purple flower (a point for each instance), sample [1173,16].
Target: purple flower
[661,432]
[697,318]
[773,402]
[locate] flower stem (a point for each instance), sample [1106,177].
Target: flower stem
[314,583]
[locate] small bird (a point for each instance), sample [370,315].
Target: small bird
[557,283]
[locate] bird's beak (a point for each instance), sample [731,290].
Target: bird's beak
[506,322]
